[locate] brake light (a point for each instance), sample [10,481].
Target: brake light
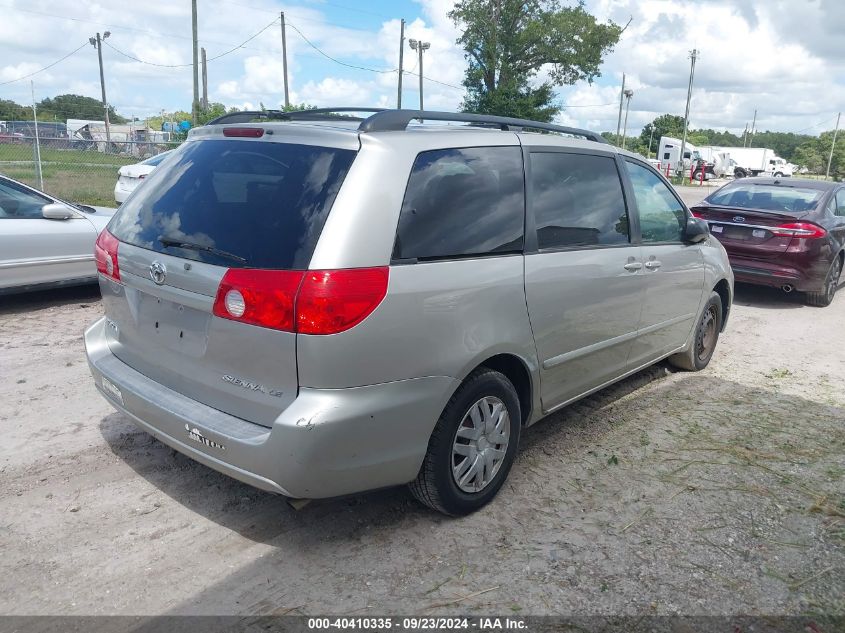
[105,254]
[799,229]
[244,132]
[308,302]
[259,297]
[697,214]
[332,301]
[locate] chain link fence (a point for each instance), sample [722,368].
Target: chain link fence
[76,169]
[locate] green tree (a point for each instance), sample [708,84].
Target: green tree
[65,107]
[664,125]
[507,42]
[11,111]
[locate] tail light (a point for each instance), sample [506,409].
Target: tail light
[799,229]
[308,302]
[105,254]
[697,214]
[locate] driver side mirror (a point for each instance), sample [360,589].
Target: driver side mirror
[56,211]
[696,231]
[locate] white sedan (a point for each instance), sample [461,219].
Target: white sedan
[130,176]
[45,241]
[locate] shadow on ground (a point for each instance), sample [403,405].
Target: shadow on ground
[572,531]
[30,301]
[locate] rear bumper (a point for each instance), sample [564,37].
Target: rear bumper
[121,193]
[328,442]
[776,274]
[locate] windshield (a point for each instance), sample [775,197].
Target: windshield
[777,198]
[234,202]
[155,160]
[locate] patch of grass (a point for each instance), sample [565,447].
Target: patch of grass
[778,373]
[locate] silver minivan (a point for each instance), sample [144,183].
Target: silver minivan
[323,303]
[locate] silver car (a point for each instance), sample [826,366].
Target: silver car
[45,241]
[319,305]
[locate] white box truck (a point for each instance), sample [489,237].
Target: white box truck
[757,161]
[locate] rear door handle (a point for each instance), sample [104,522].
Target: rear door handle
[653,264]
[633,266]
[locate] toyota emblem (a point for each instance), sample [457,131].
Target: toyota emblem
[158,273]
[739,218]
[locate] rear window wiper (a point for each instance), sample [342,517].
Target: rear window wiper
[172,241]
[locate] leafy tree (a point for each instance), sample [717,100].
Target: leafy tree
[664,125]
[11,111]
[65,107]
[507,42]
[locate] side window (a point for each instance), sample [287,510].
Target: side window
[463,202]
[840,203]
[662,217]
[577,200]
[17,202]
[665,155]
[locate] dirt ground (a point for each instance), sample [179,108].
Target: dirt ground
[720,492]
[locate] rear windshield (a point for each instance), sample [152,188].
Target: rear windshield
[155,160]
[767,197]
[238,203]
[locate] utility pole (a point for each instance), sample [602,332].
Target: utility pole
[619,119]
[285,59]
[693,56]
[195,107]
[829,160]
[97,43]
[420,46]
[628,95]
[753,128]
[745,134]
[650,139]
[401,57]
[204,80]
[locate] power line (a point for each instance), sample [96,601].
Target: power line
[593,105]
[816,125]
[337,61]
[11,81]
[231,50]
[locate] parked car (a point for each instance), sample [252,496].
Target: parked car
[130,176]
[45,241]
[788,234]
[321,306]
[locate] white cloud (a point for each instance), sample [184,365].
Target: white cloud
[782,58]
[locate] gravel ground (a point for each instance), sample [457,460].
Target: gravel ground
[719,492]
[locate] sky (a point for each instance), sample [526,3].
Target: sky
[786,59]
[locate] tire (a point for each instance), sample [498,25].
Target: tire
[778,175]
[831,283]
[739,173]
[705,337]
[437,485]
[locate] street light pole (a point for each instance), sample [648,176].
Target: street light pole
[693,57]
[97,43]
[420,46]
[628,95]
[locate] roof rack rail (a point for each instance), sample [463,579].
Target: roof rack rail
[398,120]
[315,114]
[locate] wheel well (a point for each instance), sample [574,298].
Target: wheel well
[724,292]
[515,371]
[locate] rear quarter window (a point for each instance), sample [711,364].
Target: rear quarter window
[262,203]
[462,203]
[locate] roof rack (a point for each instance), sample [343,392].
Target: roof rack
[315,114]
[398,120]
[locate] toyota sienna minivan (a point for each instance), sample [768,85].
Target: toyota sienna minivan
[324,303]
